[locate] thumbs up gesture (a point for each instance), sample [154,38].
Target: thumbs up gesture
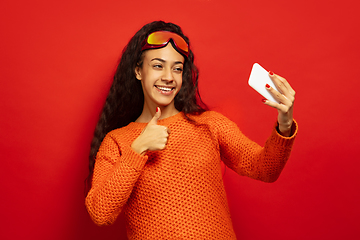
[154,137]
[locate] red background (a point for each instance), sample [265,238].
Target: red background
[57,62]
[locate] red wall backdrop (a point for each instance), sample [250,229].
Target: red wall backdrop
[57,61]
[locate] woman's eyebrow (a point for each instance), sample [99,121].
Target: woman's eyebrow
[158,59]
[162,60]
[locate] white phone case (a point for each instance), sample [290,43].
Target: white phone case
[259,77]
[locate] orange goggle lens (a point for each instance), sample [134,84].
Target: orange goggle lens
[161,38]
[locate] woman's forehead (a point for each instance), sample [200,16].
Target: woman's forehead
[167,53]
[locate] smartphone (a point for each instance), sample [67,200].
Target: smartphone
[259,77]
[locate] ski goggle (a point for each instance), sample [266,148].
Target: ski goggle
[160,39]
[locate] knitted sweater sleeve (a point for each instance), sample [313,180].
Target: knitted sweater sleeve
[116,171]
[248,158]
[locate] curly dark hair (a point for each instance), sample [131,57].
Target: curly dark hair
[125,100]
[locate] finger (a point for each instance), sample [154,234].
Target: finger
[282,85]
[277,95]
[287,85]
[167,130]
[278,82]
[156,117]
[281,107]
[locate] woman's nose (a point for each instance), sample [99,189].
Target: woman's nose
[168,75]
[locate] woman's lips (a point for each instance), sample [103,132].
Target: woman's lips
[165,89]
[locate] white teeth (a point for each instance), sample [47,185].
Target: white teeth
[164,89]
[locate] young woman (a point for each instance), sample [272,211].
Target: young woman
[160,161]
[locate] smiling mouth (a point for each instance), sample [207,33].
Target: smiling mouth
[165,89]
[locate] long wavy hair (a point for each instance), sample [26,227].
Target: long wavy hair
[125,100]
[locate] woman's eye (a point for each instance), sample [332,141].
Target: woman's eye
[158,66]
[178,69]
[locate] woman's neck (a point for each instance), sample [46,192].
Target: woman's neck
[149,112]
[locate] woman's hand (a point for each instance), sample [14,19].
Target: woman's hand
[286,98]
[154,137]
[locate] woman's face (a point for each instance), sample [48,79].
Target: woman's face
[161,76]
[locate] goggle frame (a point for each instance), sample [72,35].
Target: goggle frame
[160,39]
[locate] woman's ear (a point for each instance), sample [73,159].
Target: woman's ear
[138,73]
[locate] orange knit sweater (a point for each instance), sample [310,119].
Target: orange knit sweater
[178,193]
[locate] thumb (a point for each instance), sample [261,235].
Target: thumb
[156,116]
